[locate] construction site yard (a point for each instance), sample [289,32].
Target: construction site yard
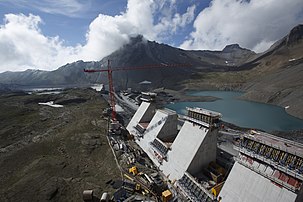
[56,144]
[53,146]
[53,154]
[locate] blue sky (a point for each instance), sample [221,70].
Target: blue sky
[69,26]
[72,26]
[47,34]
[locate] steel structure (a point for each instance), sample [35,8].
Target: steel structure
[110,70]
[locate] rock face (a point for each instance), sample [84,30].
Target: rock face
[295,35]
[277,79]
[283,88]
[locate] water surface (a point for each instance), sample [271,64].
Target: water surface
[244,113]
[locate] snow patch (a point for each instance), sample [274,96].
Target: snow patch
[51,104]
[98,87]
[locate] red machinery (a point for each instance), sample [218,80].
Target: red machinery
[109,71]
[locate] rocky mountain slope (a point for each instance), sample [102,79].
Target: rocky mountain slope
[279,75]
[138,52]
[69,74]
[274,76]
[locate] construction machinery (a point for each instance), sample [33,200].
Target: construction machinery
[133,170]
[166,195]
[217,188]
[138,187]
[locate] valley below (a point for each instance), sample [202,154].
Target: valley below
[53,154]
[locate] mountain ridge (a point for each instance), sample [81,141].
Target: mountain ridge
[273,77]
[269,77]
[137,52]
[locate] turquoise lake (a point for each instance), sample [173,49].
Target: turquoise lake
[243,113]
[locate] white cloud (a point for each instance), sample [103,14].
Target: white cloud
[111,32]
[169,25]
[23,45]
[253,24]
[71,8]
[63,7]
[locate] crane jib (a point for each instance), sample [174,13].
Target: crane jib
[109,71]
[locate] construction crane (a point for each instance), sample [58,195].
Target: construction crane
[109,71]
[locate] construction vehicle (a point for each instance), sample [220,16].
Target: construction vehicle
[133,170]
[166,195]
[138,187]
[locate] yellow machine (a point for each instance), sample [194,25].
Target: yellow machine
[138,187]
[145,192]
[217,188]
[216,171]
[133,170]
[166,195]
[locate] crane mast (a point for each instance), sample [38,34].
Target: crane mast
[109,71]
[111,91]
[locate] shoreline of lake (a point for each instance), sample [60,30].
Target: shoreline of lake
[237,111]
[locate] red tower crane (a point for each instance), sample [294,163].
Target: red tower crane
[109,71]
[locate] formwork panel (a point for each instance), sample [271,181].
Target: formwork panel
[192,148]
[256,165]
[262,167]
[277,174]
[245,185]
[269,170]
[293,182]
[284,177]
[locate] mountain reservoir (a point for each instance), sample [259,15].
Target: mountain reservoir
[244,113]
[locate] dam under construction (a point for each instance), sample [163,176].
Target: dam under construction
[253,166]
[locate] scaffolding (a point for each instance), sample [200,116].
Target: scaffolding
[278,155]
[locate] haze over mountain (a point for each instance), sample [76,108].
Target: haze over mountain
[274,76]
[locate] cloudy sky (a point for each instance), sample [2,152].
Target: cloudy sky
[47,34]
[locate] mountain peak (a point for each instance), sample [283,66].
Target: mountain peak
[137,39]
[295,35]
[231,47]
